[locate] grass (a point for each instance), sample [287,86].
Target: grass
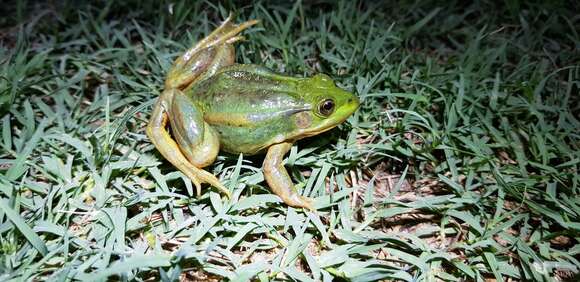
[461,164]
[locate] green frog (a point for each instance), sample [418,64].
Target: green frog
[212,103]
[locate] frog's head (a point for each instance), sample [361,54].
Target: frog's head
[329,105]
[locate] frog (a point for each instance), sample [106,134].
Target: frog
[210,104]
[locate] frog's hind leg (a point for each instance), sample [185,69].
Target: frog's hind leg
[206,57]
[157,132]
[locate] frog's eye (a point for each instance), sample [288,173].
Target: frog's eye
[326,107]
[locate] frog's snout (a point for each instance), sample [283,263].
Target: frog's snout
[352,103]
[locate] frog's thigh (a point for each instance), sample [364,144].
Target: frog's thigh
[200,65]
[279,180]
[197,140]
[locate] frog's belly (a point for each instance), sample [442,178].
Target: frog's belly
[250,140]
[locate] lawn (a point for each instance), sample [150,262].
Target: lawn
[460,165]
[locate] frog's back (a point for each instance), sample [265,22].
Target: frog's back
[249,106]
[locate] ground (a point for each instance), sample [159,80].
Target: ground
[461,163]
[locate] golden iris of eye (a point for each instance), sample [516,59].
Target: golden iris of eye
[326,107]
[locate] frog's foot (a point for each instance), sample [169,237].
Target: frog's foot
[210,179]
[199,176]
[226,33]
[279,180]
[207,56]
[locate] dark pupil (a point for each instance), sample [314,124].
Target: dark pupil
[327,107]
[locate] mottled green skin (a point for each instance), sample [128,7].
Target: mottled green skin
[252,108]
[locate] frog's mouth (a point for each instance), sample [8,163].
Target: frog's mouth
[323,127]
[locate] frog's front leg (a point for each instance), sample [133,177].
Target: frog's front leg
[198,144]
[278,179]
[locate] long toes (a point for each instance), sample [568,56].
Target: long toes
[197,185]
[229,18]
[235,39]
[308,203]
[217,184]
[298,201]
[225,191]
[210,179]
